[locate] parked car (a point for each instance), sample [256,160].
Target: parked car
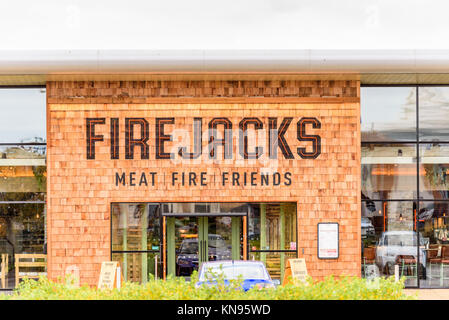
[187,255]
[253,273]
[367,228]
[393,244]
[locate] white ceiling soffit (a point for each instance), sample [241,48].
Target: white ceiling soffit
[223,61]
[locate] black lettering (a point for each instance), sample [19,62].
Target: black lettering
[197,147]
[203,179]
[253,178]
[143,179]
[243,138]
[235,178]
[132,178]
[276,178]
[119,179]
[276,138]
[264,179]
[114,138]
[161,137]
[173,178]
[192,178]
[315,139]
[288,178]
[91,137]
[224,177]
[152,178]
[226,142]
[131,142]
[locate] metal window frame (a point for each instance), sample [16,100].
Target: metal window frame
[417,142]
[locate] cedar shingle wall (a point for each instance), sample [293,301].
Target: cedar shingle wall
[144,91]
[80,191]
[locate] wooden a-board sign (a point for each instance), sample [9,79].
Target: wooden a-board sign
[296,268]
[110,275]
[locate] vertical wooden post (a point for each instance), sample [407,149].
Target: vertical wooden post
[171,255]
[245,239]
[282,238]
[144,243]
[164,248]
[235,225]
[124,216]
[263,231]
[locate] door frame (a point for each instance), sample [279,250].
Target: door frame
[165,245]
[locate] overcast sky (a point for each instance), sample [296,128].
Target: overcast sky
[227,24]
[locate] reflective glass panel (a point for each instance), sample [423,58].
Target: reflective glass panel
[22,231]
[388,113]
[23,115]
[389,171]
[390,241]
[135,227]
[207,208]
[434,171]
[272,226]
[139,266]
[433,113]
[274,261]
[433,222]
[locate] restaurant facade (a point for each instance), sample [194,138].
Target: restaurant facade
[162,172]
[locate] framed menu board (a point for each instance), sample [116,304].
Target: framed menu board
[328,240]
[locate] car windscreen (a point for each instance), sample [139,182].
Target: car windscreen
[189,247]
[233,272]
[401,240]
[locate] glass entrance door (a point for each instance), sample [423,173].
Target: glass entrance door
[192,240]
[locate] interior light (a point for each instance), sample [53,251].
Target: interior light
[400,217]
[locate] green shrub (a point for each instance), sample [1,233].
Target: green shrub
[343,288]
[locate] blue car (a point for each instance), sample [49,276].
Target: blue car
[253,273]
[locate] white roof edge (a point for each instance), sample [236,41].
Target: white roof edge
[281,61]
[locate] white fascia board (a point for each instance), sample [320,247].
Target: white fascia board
[281,61]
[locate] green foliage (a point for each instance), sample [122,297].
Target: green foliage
[343,288]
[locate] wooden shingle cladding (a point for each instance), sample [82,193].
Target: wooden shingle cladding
[80,191]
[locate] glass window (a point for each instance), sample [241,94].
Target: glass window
[275,261]
[139,266]
[433,113]
[389,241]
[389,171]
[434,171]
[433,222]
[272,226]
[23,118]
[135,227]
[22,231]
[388,113]
[209,208]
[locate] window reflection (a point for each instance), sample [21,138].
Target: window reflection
[389,241]
[434,226]
[389,171]
[388,113]
[433,113]
[22,231]
[135,227]
[25,119]
[433,171]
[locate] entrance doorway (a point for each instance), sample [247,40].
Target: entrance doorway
[160,239]
[194,239]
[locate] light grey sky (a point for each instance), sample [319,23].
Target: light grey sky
[226,24]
